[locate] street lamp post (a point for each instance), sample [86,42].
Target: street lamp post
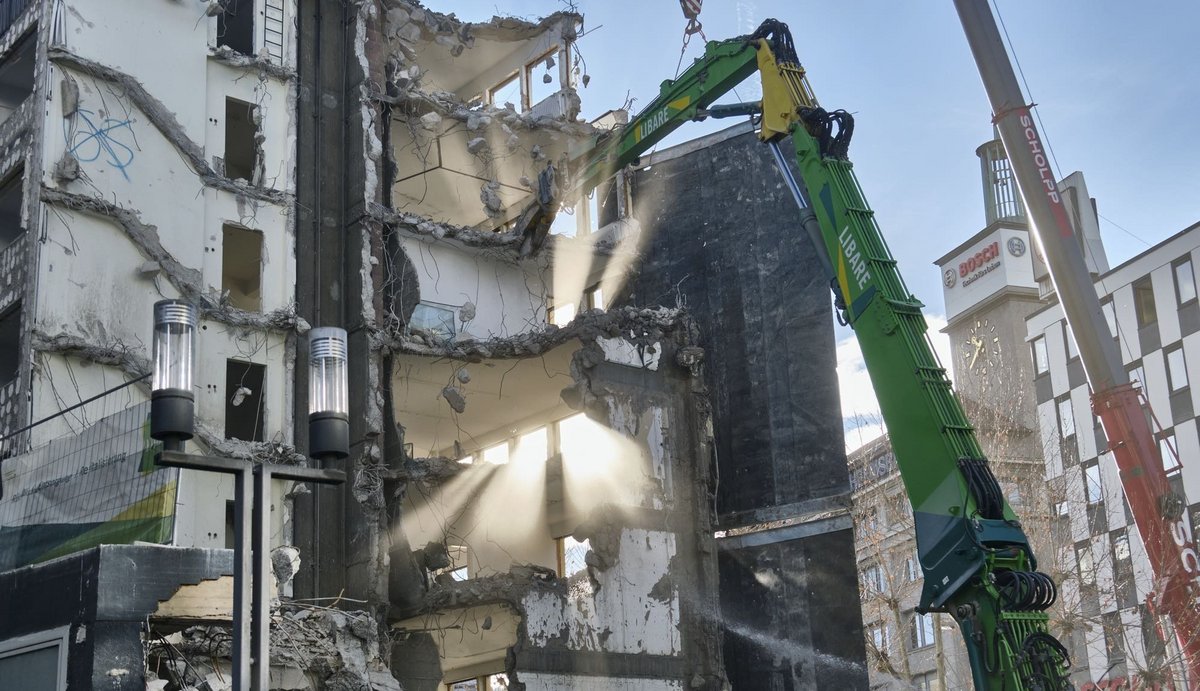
[172,421]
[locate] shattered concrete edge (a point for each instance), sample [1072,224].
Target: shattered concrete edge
[228,56]
[168,125]
[187,281]
[640,326]
[127,360]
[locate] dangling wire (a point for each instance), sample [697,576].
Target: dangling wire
[691,12]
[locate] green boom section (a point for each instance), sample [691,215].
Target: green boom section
[723,66]
[960,550]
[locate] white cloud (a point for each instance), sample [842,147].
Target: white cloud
[861,419]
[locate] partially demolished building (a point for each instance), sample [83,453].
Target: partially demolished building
[531,486]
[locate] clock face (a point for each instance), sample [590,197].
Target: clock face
[980,352]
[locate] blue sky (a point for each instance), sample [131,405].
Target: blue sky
[1115,85]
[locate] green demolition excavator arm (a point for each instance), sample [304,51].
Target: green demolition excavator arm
[976,559]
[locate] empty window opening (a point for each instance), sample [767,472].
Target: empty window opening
[10,338]
[1041,359]
[244,400]
[542,77]
[1167,450]
[235,26]
[16,75]
[562,315]
[506,93]
[496,455]
[572,555]
[595,298]
[457,569]
[490,682]
[241,149]
[241,267]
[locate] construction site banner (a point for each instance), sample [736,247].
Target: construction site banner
[96,487]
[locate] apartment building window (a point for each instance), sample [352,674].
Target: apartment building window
[926,682]
[561,315]
[241,145]
[1066,418]
[1143,302]
[1087,566]
[912,569]
[1041,359]
[1093,486]
[1185,281]
[874,580]
[878,634]
[235,26]
[10,339]
[1177,375]
[241,267]
[1169,452]
[920,630]
[496,455]
[1123,579]
[244,414]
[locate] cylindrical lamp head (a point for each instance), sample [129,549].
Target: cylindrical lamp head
[172,405]
[328,399]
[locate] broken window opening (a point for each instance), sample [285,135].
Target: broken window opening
[10,339]
[435,318]
[541,78]
[235,26]
[595,298]
[16,74]
[458,569]
[490,682]
[572,555]
[244,414]
[241,266]
[241,133]
[496,455]
[507,93]
[561,315]
[10,208]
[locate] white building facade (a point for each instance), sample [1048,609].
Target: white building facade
[1150,303]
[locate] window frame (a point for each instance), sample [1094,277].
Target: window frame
[1070,417]
[1093,483]
[1173,372]
[1040,366]
[921,630]
[1143,298]
[1168,449]
[1191,279]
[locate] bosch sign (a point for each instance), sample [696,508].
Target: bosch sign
[979,260]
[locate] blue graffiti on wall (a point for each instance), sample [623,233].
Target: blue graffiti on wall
[91,141]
